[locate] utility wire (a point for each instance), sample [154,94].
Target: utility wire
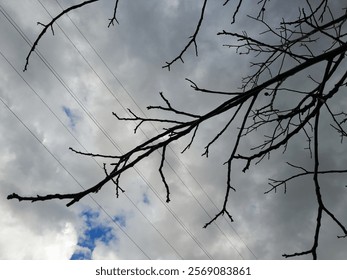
[66,128]
[138,107]
[71,175]
[128,93]
[9,18]
[85,149]
[118,147]
[127,112]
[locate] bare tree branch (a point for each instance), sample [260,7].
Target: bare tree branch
[50,25]
[253,107]
[114,18]
[163,176]
[191,41]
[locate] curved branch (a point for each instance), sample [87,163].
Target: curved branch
[50,25]
[163,176]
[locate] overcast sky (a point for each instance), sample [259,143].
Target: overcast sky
[66,99]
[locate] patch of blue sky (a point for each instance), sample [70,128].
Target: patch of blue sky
[120,220]
[94,232]
[81,253]
[145,199]
[73,117]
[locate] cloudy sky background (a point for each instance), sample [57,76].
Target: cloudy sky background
[111,69]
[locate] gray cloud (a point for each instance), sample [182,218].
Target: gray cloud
[150,33]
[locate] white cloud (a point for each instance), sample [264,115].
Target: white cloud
[21,241]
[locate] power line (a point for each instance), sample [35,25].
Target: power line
[128,93]
[13,23]
[61,122]
[71,175]
[3,11]
[118,147]
[133,99]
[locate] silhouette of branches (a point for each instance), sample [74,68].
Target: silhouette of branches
[114,17]
[192,40]
[50,25]
[256,107]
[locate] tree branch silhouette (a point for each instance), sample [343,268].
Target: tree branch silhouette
[254,106]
